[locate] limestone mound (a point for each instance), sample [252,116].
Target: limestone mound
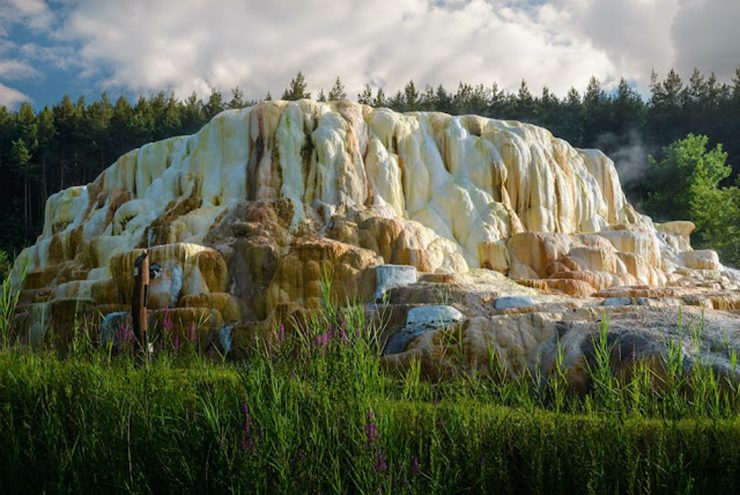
[254,216]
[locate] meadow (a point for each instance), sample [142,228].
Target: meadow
[313,411]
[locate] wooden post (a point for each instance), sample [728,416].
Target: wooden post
[139,303]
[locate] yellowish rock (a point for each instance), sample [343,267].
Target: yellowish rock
[263,202]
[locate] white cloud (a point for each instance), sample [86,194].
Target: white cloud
[186,45]
[60,57]
[14,70]
[194,45]
[643,35]
[10,97]
[33,13]
[706,36]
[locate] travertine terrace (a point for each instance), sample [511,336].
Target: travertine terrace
[249,214]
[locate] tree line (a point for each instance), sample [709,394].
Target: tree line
[71,142]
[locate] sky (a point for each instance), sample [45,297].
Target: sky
[49,48]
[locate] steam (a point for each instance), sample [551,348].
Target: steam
[630,156]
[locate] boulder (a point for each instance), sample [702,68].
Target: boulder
[391,276]
[419,321]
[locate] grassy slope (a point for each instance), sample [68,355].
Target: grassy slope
[314,412]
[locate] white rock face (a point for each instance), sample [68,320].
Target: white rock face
[468,179]
[441,193]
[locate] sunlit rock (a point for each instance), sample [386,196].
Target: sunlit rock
[286,203]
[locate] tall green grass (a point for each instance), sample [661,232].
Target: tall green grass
[311,411]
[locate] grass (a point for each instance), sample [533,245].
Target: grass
[311,411]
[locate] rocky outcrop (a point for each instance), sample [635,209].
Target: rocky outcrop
[529,334]
[264,208]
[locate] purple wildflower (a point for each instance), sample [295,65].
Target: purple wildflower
[415,466]
[633,354]
[371,429]
[380,464]
[247,442]
[281,334]
[345,339]
[167,323]
[192,334]
[440,424]
[177,342]
[125,338]
[325,340]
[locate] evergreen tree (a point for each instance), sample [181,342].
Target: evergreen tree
[337,91]
[571,126]
[462,100]
[169,123]
[322,97]
[397,102]
[67,121]
[119,123]
[628,109]
[237,98]
[525,103]
[193,116]
[98,119]
[497,106]
[735,90]
[366,97]
[22,162]
[47,134]
[141,124]
[410,97]
[595,112]
[427,100]
[24,149]
[549,109]
[380,100]
[666,119]
[479,99]
[442,100]
[215,104]
[297,89]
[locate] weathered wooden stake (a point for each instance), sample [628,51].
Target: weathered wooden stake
[139,302]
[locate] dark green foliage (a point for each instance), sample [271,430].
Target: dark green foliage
[237,99]
[215,104]
[337,91]
[687,167]
[297,88]
[366,97]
